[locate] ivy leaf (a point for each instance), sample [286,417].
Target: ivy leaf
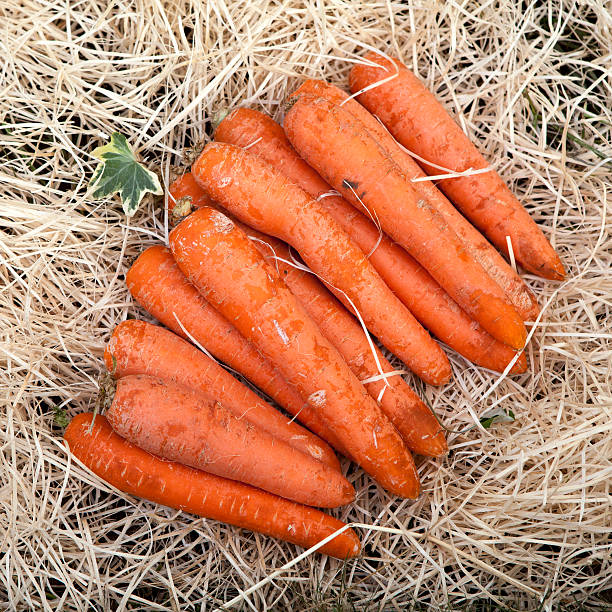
[501,416]
[121,172]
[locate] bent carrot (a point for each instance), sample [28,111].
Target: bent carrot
[137,347]
[347,156]
[415,117]
[416,423]
[262,197]
[176,423]
[157,284]
[475,243]
[223,264]
[415,287]
[134,471]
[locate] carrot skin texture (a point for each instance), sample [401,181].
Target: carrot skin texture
[415,287]
[184,187]
[157,284]
[176,423]
[136,472]
[137,347]
[221,261]
[416,423]
[263,198]
[413,284]
[347,156]
[417,120]
[475,243]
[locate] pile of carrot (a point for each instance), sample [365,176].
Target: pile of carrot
[365,216]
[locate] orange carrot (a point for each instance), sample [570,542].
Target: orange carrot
[347,156]
[475,243]
[416,423]
[414,116]
[137,347]
[418,290]
[262,197]
[415,287]
[134,471]
[157,284]
[221,262]
[185,186]
[174,422]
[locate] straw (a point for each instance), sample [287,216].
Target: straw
[519,514]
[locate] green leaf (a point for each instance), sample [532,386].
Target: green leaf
[61,418]
[500,416]
[121,172]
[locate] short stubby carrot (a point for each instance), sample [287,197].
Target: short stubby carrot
[136,472]
[418,121]
[221,262]
[138,347]
[415,287]
[475,243]
[416,423]
[264,198]
[174,422]
[349,158]
[157,284]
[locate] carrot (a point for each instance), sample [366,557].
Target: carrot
[223,264]
[414,116]
[177,423]
[137,347]
[262,197]
[475,243]
[347,156]
[157,284]
[134,471]
[185,186]
[416,423]
[436,309]
[415,287]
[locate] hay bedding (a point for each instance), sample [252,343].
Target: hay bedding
[519,514]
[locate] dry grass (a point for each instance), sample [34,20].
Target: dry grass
[520,514]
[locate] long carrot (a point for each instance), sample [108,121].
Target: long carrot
[416,423]
[179,424]
[475,243]
[134,471]
[262,197]
[137,347]
[347,156]
[157,284]
[429,303]
[414,116]
[221,261]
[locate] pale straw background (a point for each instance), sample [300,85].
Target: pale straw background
[519,515]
